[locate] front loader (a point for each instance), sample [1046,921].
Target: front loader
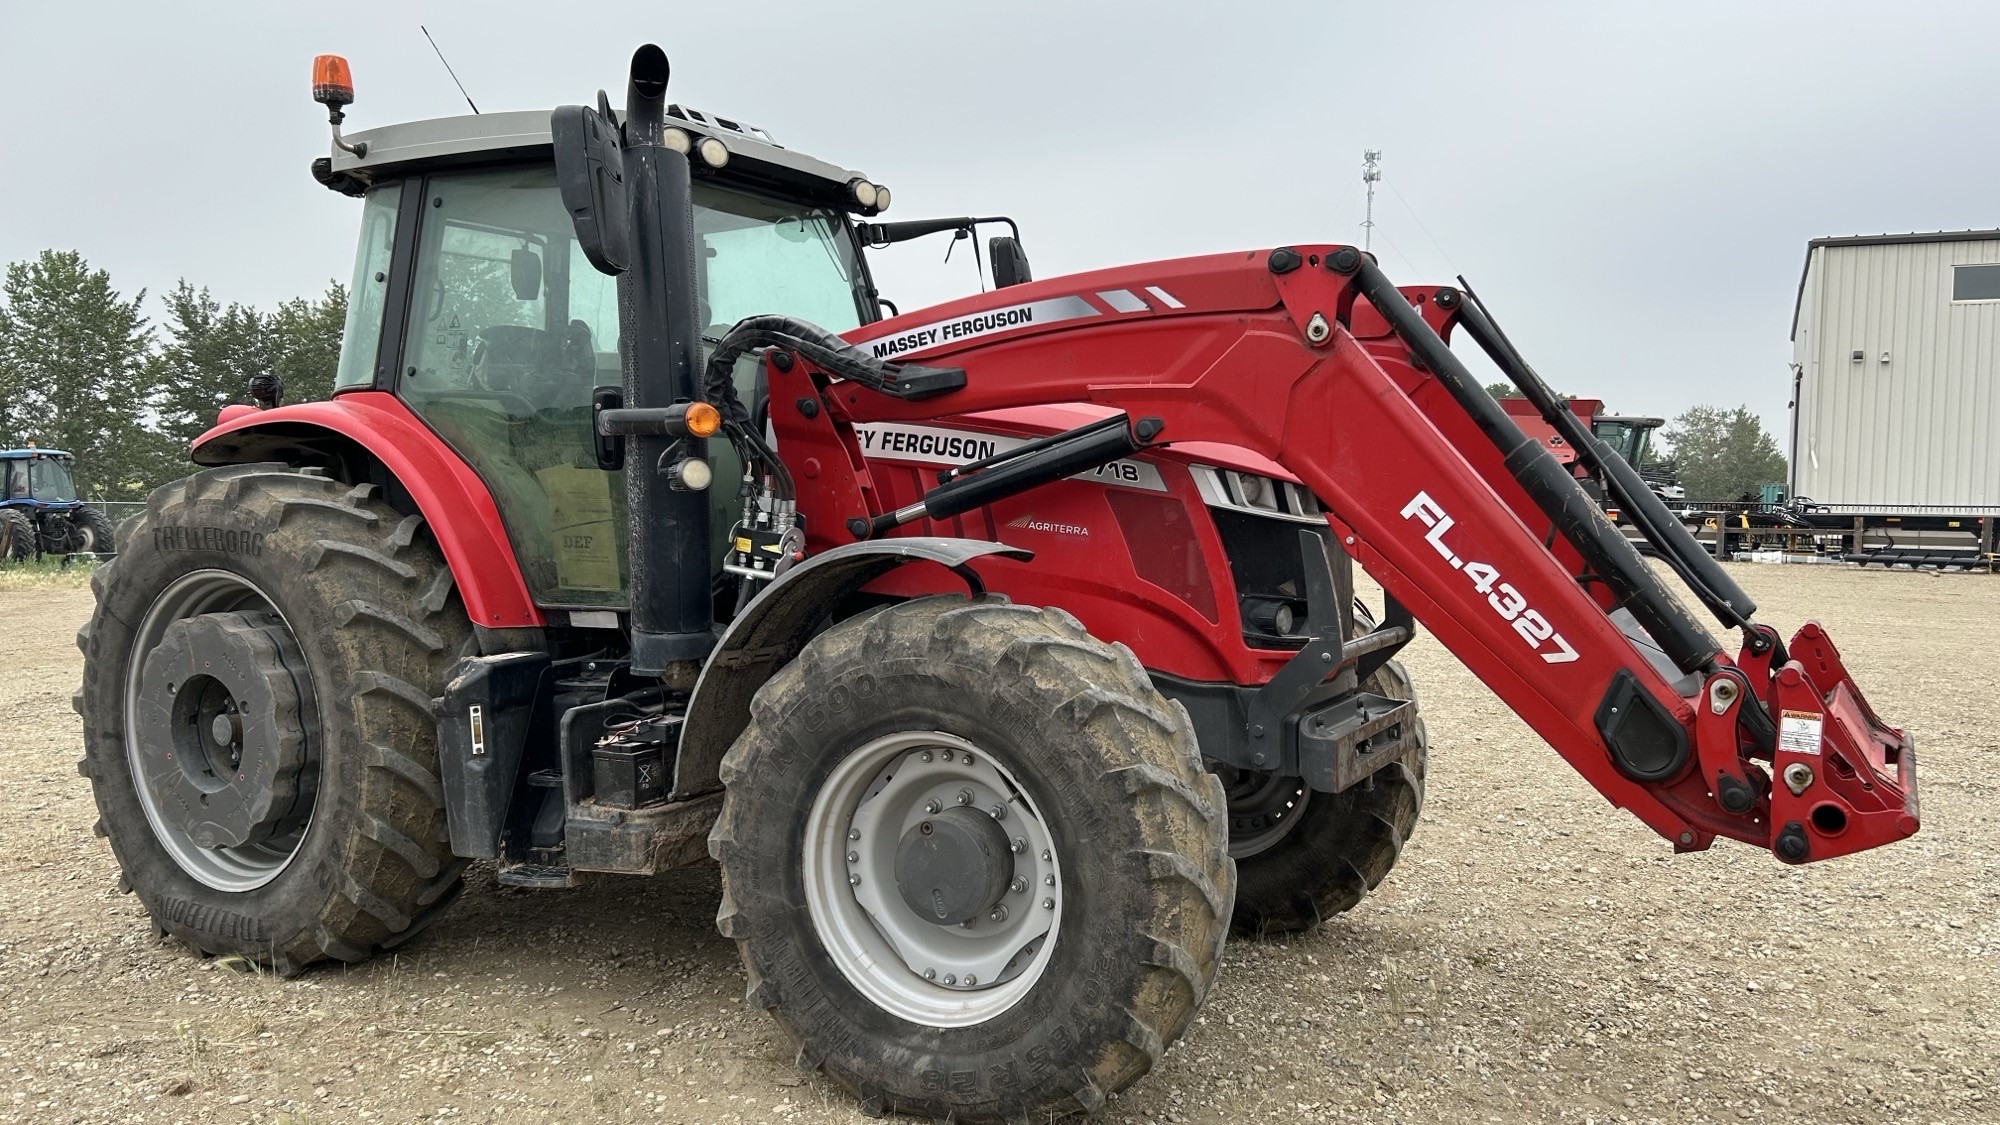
[1004,654]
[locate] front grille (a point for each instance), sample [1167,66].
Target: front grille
[1264,559]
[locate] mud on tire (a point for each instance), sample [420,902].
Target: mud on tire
[1114,772]
[376,619]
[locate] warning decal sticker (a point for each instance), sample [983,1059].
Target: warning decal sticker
[1798,731]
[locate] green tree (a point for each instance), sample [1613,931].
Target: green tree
[1502,390]
[72,372]
[1723,454]
[209,354]
[304,343]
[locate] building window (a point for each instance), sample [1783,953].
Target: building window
[1975,283]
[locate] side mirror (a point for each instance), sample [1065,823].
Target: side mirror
[1010,262]
[526,268]
[590,171]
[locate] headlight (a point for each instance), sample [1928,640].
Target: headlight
[1255,491]
[691,475]
[864,192]
[712,152]
[676,139]
[881,198]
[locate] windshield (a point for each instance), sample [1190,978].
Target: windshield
[49,481]
[1628,441]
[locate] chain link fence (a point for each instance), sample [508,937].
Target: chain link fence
[117,511]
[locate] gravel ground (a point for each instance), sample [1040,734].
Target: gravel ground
[1538,956]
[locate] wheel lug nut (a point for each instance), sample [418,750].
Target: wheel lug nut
[998,812]
[854,880]
[933,806]
[1049,880]
[854,857]
[999,914]
[1020,884]
[965,796]
[1019,845]
[970,980]
[947,755]
[930,974]
[1046,857]
[1048,904]
[925,756]
[854,833]
[951,978]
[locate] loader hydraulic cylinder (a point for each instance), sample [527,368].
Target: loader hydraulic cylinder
[1703,574]
[1574,515]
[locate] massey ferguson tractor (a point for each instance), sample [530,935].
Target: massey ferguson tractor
[1003,654]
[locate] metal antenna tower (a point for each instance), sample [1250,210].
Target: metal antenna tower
[1371,171]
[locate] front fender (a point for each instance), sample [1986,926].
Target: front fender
[453,500]
[776,626]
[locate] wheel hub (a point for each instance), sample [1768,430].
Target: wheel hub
[953,867]
[948,926]
[1264,808]
[219,728]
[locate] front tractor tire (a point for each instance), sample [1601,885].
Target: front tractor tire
[972,861]
[1303,857]
[257,717]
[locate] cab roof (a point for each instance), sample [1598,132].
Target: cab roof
[21,454]
[754,158]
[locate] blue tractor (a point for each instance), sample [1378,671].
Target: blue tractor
[39,511]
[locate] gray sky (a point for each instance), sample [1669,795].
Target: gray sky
[1631,187]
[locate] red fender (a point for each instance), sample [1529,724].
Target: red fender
[454,501]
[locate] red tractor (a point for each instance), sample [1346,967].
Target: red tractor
[1003,653]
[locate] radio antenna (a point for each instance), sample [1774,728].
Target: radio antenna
[448,69]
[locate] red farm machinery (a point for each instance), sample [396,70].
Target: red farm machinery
[1004,654]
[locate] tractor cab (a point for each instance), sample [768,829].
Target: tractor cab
[39,476]
[475,305]
[1628,436]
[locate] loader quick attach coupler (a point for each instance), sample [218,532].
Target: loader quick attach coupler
[1844,780]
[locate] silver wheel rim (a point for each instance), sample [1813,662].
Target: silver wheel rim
[938,976]
[1264,808]
[225,869]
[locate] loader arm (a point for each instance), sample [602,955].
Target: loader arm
[1310,357]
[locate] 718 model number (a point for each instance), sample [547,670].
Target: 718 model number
[1502,597]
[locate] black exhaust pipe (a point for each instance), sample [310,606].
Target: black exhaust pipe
[668,539]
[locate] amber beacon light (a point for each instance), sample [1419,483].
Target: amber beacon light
[333,83]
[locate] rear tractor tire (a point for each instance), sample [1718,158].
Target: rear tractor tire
[92,533]
[257,718]
[1303,857]
[972,861]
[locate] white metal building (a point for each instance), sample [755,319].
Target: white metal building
[1896,362]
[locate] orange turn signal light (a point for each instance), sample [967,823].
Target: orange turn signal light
[701,419]
[333,84]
